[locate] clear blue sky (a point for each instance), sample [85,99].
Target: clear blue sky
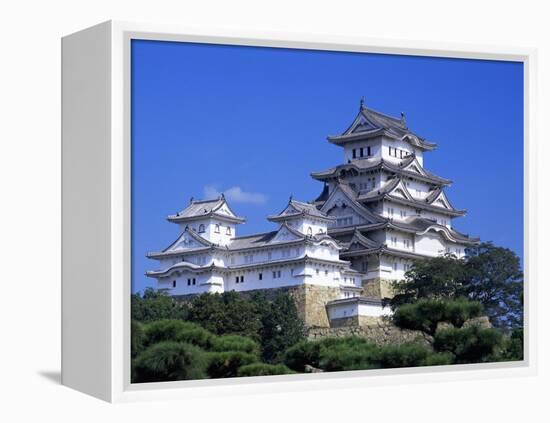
[253,122]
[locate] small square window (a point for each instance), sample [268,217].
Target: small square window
[236,279]
[173,284]
[242,279]
[260,276]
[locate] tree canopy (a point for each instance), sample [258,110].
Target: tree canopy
[489,275]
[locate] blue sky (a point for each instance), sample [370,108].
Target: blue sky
[252,122]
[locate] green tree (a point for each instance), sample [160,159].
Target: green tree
[437,277]
[490,275]
[155,305]
[169,361]
[281,326]
[137,336]
[227,313]
[425,314]
[177,330]
[495,279]
[235,343]
[262,369]
[470,345]
[226,363]
[513,346]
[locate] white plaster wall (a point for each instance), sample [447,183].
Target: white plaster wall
[290,275]
[303,226]
[401,145]
[373,310]
[374,144]
[339,311]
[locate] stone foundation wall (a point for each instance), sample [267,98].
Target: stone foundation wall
[377,330]
[377,288]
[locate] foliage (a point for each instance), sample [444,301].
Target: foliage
[168,361]
[155,305]
[227,363]
[490,275]
[425,314]
[470,345]
[262,369]
[437,277]
[281,325]
[495,279]
[137,341]
[513,346]
[227,313]
[235,343]
[177,330]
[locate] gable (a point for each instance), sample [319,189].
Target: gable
[442,201]
[224,209]
[415,167]
[284,235]
[185,242]
[362,125]
[400,191]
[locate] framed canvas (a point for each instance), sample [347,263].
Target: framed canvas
[271,212]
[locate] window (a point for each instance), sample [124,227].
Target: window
[320,231]
[361,152]
[458,251]
[201,228]
[188,282]
[276,274]
[260,276]
[406,243]
[236,279]
[390,211]
[309,231]
[393,240]
[368,151]
[242,279]
[173,284]
[217,229]
[194,281]
[326,272]
[316,271]
[292,272]
[403,213]
[228,230]
[394,265]
[354,153]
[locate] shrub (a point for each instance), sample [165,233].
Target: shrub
[404,355]
[425,314]
[349,354]
[513,350]
[169,361]
[137,338]
[262,369]
[235,343]
[302,353]
[177,330]
[470,345]
[227,363]
[439,359]
[155,305]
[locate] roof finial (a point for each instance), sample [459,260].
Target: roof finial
[290,198]
[191,200]
[222,197]
[362,102]
[403,117]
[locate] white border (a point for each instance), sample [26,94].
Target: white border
[121,389]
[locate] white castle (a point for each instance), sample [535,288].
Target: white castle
[378,212]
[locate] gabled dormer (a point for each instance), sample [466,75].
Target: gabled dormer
[303,217]
[211,219]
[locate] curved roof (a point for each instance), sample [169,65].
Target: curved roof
[376,163]
[199,209]
[370,123]
[296,209]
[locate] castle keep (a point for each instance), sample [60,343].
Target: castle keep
[378,211]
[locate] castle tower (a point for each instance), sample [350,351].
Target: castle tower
[387,209]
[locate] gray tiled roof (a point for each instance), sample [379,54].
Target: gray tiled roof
[370,123]
[204,208]
[300,209]
[374,163]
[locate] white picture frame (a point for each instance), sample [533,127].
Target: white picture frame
[96,208]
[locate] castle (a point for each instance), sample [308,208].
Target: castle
[378,212]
